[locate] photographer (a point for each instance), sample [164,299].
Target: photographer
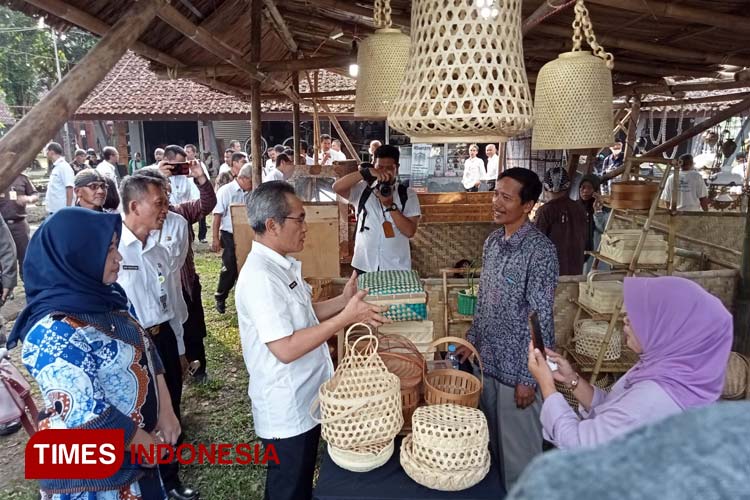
[387,213]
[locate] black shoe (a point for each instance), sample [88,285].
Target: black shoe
[10,428]
[200,378]
[183,493]
[221,306]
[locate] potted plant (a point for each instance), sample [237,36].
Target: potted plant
[467,299]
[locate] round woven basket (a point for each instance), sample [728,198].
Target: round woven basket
[450,437]
[589,336]
[403,359]
[448,386]
[382,59]
[603,382]
[736,381]
[435,479]
[362,459]
[361,404]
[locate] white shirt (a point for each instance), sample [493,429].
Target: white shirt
[274,174]
[61,177]
[309,160]
[183,189]
[271,307]
[335,156]
[224,168]
[143,275]
[473,172]
[228,195]
[372,250]
[692,189]
[174,237]
[493,165]
[108,170]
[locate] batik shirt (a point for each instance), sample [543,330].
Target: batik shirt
[519,275]
[90,379]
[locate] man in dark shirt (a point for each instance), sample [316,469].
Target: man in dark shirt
[13,203]
[563,221]
[79,161]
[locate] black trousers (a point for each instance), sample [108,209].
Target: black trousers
[166,345]
[228,274]
[292,478]
[202,229]
[19,230]
[195,327]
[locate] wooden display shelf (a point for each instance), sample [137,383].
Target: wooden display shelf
[619,265]
[456,317]
[593,314]
[586,364]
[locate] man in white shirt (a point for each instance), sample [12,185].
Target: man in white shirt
[225,167]
[145,275]
[270,164]
[693,193]
[192,152]
[61,180]
[107,166]
[473,170]
[304,157]
[385,223]
[492,167]
[327,154]
[223,234]
[336,145]
[284,338]
[282,171]
[374,145]
[183,187]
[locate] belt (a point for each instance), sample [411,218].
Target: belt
[154,330]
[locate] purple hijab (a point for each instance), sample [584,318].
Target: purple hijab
[686,335]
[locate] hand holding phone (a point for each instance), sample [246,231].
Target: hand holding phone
[536,338]
[179,168]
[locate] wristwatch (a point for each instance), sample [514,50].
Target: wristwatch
[392,208]
[574,383]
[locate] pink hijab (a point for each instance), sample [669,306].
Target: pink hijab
[686,335]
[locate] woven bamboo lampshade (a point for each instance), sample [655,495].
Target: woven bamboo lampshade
[573,99]
[382,60]
[465,80]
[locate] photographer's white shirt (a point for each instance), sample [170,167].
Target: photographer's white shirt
[372,250]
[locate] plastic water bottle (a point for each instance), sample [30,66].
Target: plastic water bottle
[453,357]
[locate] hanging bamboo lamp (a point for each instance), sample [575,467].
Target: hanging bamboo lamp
[382,60]
[573,99]
[465,80]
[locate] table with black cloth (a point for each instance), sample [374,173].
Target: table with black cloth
[390,482]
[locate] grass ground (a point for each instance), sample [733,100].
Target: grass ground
[217,412]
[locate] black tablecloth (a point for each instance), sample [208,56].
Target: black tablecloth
[390,482]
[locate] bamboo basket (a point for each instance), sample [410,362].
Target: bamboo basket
[589,336]
[619,245]
[635,195]
[360,405]
[403,359]
[449,386]
[736,381]
[322,288]
[599,296]
[362,459]
[420,333]
[604,382]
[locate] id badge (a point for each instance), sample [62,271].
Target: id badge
[163,302]
[388,229]
[12,195]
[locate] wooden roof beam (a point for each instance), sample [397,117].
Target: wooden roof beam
[672,10]
[689,101]
[542,12]
[353,8]
[280,25]
[655,49]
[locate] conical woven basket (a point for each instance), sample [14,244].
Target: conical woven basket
[465,80]
[382,59]
[361,404]
[573,103]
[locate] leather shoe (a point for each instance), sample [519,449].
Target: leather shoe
[183,493]
[221,306]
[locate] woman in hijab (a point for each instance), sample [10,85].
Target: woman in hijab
[683,335]
[596,217]
[95,365]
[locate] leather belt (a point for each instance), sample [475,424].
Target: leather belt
[154,330]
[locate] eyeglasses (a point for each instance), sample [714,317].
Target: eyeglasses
[97,185]
[300,219]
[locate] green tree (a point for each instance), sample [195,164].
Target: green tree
[27,59]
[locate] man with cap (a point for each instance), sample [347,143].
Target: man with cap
[563,221]
[90,188]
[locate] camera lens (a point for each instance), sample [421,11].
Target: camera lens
[385,190]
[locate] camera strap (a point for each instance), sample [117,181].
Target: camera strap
[362,211]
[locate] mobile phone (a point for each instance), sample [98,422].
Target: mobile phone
[536,332]
[181,168]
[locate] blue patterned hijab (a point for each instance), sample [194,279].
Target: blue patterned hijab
[63,270]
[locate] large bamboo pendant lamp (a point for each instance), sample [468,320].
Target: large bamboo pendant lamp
[573,98]
[382,61]
[466,80]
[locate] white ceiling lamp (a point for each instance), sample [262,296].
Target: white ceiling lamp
[381,62]
[466,80]
[354,70]
[336,34]
[574,94]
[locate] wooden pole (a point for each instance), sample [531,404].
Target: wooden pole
[271,66]
[635,112]
[502,150]
[296,125]
[21,144]
[255,109]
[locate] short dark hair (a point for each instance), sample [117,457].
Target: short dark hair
[239,157]
[112,201]
[268,201]
[279,148]
[388,151]
[80,152]
[325,137]
[173,150]
[109,152]
[303,146]
[191,146]
[229,150]
[686,158]
[531,186]
[235,141]
[154,173]
[134,187]
[289,152]
[282,157]
[55,148]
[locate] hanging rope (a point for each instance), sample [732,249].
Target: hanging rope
[582,27]
[673,154]
[382,14]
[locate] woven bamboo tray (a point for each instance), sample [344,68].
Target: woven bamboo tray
[454,386]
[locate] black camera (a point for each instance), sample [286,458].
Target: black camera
[385,189]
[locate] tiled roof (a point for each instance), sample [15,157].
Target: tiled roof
[6,117]
[132,91]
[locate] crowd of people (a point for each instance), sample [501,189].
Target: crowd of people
[114,321]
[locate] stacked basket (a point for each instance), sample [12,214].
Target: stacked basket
[448,448]
[620,244]
[360,407]
[401,291]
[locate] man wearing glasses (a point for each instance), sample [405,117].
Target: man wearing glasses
[90,189]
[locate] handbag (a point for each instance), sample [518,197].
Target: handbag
[16,400]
